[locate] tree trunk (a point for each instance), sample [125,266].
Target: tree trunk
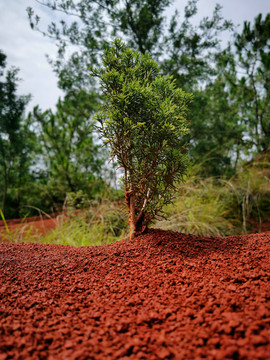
[132,217]
[136,226]
[72,188]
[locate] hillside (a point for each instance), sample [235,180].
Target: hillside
[164,295]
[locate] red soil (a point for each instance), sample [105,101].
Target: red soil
[263,227]
[164,295]
[38,224]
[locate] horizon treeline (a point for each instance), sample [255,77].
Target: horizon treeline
[47,157]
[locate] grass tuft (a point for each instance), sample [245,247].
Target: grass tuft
[101,224]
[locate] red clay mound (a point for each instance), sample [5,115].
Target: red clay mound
[164,295]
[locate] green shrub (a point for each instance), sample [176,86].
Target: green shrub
[143,119]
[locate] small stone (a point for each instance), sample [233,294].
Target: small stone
[232,287]
[69,344]
[258,340]
[163,353]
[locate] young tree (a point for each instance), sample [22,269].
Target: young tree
[143,119]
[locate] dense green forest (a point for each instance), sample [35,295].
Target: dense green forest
[51,158]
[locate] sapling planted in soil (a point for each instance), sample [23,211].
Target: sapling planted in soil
[143,119]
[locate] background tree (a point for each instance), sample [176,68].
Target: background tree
[217,134]
[143,120]
[16,140]
[252,82]
[189,51]
[232,119]
[73,160]
[91,25]
[182,49]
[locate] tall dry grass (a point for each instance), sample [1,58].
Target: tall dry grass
[219,207]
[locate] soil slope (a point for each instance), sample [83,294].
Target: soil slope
[38,224]
[164,295]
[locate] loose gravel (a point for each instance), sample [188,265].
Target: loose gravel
[164,295]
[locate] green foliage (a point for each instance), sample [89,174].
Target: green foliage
[73,161]
[189,51]
[140,22]
[143,119]
[230,116]
[16,141]
[184,51]
[230,112]
[217,136]
[245,66]
[253,55]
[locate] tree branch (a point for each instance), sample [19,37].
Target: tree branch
[57,9]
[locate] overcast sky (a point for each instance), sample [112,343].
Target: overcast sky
[26,49]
